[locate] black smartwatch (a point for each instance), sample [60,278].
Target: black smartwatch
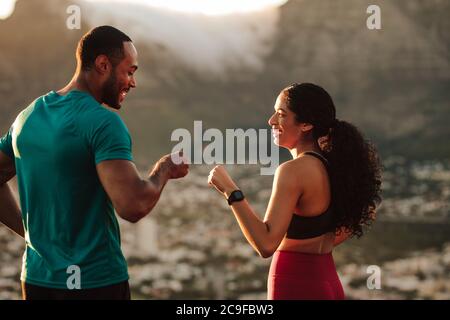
[235,196]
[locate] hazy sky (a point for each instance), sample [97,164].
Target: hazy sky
[208,7]
[206,35]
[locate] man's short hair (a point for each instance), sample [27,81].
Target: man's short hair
[105,40]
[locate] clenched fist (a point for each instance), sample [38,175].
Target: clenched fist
[175,164]
[221,180]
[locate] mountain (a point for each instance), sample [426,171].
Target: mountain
[392,83]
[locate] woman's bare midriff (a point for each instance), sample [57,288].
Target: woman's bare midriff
[319,245]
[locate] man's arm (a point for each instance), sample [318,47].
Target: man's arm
[134,197]
[10,214]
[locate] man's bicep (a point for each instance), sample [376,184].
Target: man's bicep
[120,180]
[7,168]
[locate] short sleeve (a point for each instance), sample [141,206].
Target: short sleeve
[6,144]
[111,140]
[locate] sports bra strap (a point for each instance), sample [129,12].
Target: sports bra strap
[318,156]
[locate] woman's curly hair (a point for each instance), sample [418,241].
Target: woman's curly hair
[354,165]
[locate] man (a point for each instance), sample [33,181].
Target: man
[74,166]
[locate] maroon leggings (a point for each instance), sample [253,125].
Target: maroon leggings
[303,276]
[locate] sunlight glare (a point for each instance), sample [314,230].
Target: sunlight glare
[6,8]
[206,7]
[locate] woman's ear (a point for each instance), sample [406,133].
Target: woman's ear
[304,127]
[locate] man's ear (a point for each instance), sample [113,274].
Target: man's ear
[102,64]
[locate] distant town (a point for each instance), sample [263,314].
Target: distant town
[190,247]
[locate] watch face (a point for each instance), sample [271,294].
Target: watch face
[238,195]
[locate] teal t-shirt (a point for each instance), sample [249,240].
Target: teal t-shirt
[69,220]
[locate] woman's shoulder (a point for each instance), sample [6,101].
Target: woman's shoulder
[302,166]
[303,161]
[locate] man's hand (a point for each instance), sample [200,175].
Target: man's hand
[174,164]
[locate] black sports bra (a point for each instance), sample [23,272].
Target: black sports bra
[309,227]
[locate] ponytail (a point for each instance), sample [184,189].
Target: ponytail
[355,176]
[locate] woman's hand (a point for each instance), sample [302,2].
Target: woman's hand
[221,180]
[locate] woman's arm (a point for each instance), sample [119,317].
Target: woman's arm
[341,235]
[264,235]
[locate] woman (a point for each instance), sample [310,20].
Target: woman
[325,194]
